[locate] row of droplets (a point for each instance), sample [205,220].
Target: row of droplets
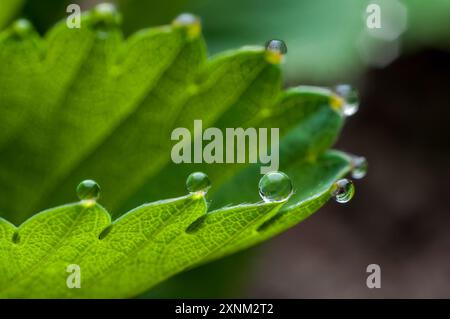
[277,186]
[346,97]
[273,186]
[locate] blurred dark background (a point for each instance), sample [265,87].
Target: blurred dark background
[400,215]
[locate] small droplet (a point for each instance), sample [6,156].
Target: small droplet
[359,167]
[350,99]
[185,19]
[198,182]
[343,190]
[190,22]
[275,51]
[106,15]
[275,187]
[88,190]
[22,27]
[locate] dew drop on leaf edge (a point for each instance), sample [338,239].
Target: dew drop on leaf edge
[21,27]
[276,46]
[359,167]
[88,190]
[275,51]
[198,182]
[350,97]
[343,191]
[275,187]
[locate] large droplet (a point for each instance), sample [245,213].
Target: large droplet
[198,183]
[275,51]
[343,190]
[350,99]
[88,190]
[190,22]
[275,187]
[106,15]
[359,167]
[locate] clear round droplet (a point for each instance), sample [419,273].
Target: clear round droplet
[88,190]
[275,187]
[350,97]
[106,15]
[359,167]
[198,182]
[276,46]
[343,191]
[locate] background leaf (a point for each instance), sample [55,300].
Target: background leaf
[9,10]
[334,47]
[327,40]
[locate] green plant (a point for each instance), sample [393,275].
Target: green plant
[8,9]
[319,51]
[82,103]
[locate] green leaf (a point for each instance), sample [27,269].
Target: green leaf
[84,103]
[8,10]
[308,126]
[318,50]
[137,251]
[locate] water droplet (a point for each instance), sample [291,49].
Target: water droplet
[198,182]
[106,15]
[88,190]
[277,46]
[350,99]
[359,167]
[275,187]
[22,27]
[275,51]
[190,22]
[343,190]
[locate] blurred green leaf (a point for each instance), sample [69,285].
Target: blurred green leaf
[9,9]
[328,40]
